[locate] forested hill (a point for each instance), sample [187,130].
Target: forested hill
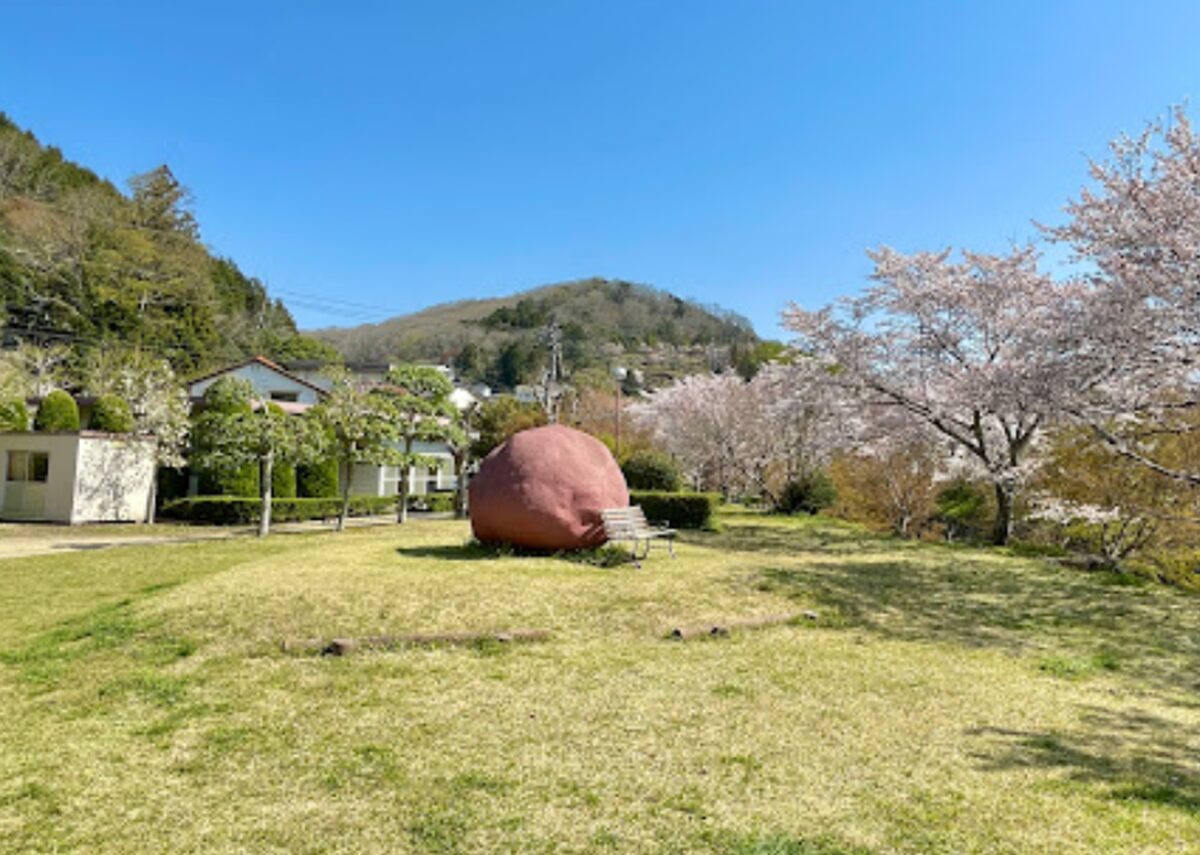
[602,322]
[83,263]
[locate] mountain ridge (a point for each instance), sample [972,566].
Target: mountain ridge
[601,321]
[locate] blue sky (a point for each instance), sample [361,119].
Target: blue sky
[366,159]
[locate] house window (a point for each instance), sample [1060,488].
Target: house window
[28,466]
[287,397]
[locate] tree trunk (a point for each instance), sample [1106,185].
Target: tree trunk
[1002,528]
[402,502]
[460,484]
[347,471]
[405,472]
[266,466]
[152,501]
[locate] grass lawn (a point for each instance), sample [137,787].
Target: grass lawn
[944,700]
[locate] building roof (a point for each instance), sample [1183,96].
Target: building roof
[353,367]
[261,360]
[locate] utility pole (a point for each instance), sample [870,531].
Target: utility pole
[619,374]
[552,387]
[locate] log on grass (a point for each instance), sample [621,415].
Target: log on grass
[342,646]
[723,628]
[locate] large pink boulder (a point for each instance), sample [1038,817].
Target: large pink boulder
[544,489]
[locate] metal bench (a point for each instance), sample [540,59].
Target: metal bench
[629,525]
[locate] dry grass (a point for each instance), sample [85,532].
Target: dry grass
[946,700]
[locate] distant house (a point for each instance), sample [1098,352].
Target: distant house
[76,477]
[312,371]
[299,385]
[270,380]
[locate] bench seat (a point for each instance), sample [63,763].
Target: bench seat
[629,525]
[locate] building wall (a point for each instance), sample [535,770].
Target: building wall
[364,480]
[114,479]
[51,500]
[384,480]
[264,380]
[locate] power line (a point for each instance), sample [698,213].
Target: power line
[336,305]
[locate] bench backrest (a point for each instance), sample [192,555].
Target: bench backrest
[624,522]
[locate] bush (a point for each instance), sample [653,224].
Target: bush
[111,415]
[14,415]
[317,481]
[439,503]
[965,509]
[807,494]
[283,481]
[677,510]
[235,510]
[58,412]
[241,482]
[651,470]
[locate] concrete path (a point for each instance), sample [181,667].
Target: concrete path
[20,540]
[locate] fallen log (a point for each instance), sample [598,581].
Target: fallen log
[718,630]
[342,646]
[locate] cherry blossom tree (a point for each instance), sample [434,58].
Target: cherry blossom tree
[701,420]
[1136,233]
[157,400]
[982,350]
[746,436]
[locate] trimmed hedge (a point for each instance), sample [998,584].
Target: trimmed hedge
[111,415]
[678,510]
[14,415]
[234,510]
[441,503]
[652,470]
[57,412]
[283,481]
[317,480]
[235,483]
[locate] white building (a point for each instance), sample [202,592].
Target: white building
[297,388]
[76,477]
[270,381]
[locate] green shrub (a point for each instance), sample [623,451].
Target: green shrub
[440,503]
[242,481]
[14,415]
[677,510]
[964,509]
[58,412]
[111,415]
[808,494]
[283,481]
[651,470]
[317,481]
[229,395]
[235,510]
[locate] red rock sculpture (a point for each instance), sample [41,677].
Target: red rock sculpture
[544,489]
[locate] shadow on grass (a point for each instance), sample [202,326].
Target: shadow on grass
[1151,636]
[469,551]
[784,535]
[473,550]
[1135,757]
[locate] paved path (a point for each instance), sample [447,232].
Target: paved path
[21,540]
